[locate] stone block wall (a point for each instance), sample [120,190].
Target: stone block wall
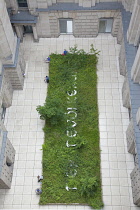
[15,76]
[7,44]
[13,5]
[130,137]
[135,71]
[7,156]
[135,181]
[6,91]
[120,33]
[133,33]
[126,94]
[122,60]
[43,25]
[138,117]
[116,23]
[85,23]
[128,4]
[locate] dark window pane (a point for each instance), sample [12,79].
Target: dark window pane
[22,3]
[63,26]
[102,26]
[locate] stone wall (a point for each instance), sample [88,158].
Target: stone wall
[12,4]
[43,25]
[128,4]
[138,117]
[120,32]
[130,137]
[7,156]
[133,33]
[6,91]
[126,94]
[135,71]
[135,177]
[7,43]
[15,76]
[85,23]
[122,60]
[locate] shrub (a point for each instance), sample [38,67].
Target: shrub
[88,186]
[53,110]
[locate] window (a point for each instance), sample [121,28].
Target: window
[65,26]
[22,3]
[105,25]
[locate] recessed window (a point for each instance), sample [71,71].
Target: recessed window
[66,26]
[105,25]
[22,3]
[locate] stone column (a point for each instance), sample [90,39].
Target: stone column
[135,71]
[126,94]
[135,177]
[35,34]
[122,60]
[133,32]
[130,137]
[19,31]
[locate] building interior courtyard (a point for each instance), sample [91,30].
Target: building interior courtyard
[30,31]
[26,134]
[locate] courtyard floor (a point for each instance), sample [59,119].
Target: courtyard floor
[25,127]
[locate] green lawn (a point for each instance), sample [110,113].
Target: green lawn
[71,109]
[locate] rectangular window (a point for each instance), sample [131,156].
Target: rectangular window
[22,3]
[66,26]
[105,25]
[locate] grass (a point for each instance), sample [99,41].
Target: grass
[77,166]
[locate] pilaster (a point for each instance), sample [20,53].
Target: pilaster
[135,71]
[133,32]
[126,94]
[130,137]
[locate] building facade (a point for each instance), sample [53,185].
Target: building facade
[81,18]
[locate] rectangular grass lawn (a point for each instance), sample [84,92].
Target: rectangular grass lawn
[71,153]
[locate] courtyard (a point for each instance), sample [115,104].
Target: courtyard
[25,127]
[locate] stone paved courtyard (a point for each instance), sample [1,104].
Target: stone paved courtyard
[25,127]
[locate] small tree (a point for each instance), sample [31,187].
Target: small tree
[53,110]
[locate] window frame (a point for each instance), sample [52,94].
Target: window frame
[67,19]
[105,19]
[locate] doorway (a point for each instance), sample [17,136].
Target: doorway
[27,29]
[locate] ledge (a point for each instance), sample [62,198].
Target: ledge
[23,17]
[75,7]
